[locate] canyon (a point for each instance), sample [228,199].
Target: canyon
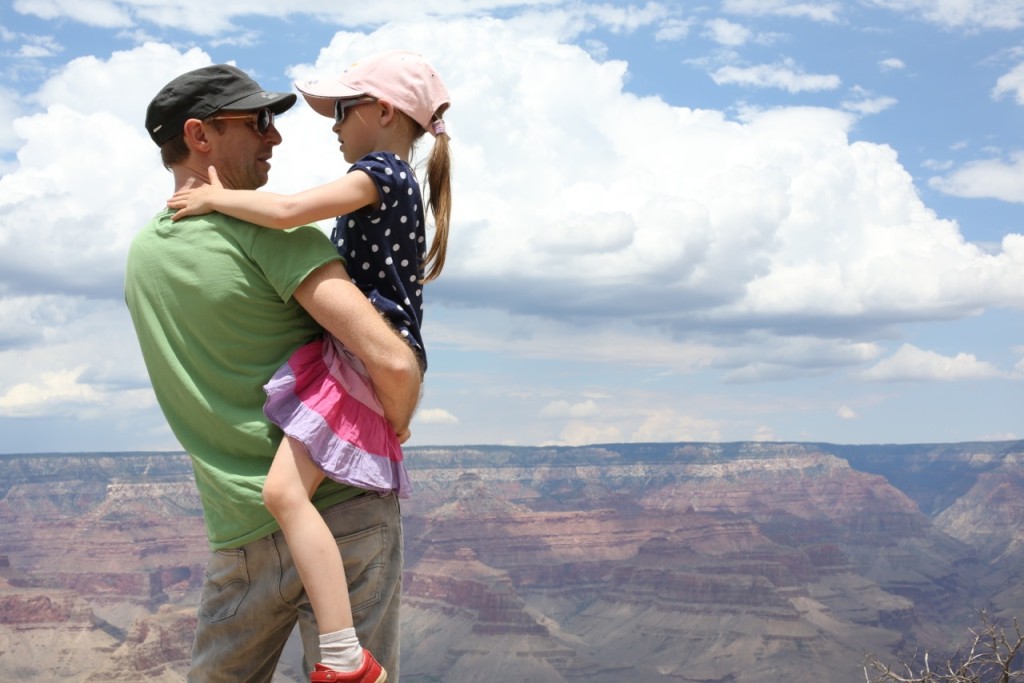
[681,562]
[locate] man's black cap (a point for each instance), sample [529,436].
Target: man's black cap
[201,93]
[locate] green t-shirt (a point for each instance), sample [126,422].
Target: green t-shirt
[211,300]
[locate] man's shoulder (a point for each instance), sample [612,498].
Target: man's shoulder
[290,255]
[223,234]
[298,237]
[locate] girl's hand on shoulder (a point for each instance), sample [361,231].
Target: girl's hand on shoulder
[195,201]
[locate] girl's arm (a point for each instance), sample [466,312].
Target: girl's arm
[344,195]
[329,295]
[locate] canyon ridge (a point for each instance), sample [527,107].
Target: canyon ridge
[674,562]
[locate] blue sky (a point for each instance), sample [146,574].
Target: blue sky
[720,221]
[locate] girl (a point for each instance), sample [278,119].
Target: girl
[322,399]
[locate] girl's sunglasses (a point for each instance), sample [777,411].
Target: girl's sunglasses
[340,106]
[261,120]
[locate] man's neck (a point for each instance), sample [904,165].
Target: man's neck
[190,173]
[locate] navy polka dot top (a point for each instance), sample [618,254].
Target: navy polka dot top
[384,245]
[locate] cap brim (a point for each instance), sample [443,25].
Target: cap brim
[321,95]
[277,102]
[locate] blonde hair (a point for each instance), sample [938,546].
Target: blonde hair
[439,197]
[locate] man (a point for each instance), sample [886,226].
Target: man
[218,305]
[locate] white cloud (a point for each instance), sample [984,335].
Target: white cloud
[579,433]
[560,409]
[1000,436]
[910,363]
[891,64]
[816,10]
[995,14]
[1018,368]
[435,416]
[637,415]
[217,18]
[625,19]
[1011,82]
[69,356]
[54,389]
[63,228]
[102,13]
[937,165]
[868,105]
[61,392]
[624,421]
[668,425]
[846,413]
[92,85]
[725,32]
[993,178]
[777,214]
[759,371]
[762,357]
[33,52]
[10,109]
[603,341]
[34,46]
[784,76]
[672,29]
[572,242]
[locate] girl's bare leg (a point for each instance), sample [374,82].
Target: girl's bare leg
[290,484]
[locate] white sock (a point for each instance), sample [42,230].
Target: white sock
[341,650]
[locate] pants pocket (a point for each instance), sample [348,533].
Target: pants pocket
[365,562]
[226,584]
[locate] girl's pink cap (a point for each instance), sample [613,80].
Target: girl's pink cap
[401,77]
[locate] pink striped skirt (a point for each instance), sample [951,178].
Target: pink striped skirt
[323,398]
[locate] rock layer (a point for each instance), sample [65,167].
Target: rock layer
[652,562]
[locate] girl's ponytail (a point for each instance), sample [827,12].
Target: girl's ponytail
[439,186]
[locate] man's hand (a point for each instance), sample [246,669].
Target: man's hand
[195,201]
[336,303]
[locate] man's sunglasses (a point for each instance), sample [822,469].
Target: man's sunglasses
[260,120]
[340,106]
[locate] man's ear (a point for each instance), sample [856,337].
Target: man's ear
[195,135]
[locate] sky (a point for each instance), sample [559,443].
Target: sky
[725,220]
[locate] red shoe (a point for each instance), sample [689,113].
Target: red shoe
[369,672]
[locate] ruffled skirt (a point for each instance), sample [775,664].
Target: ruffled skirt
[323,398]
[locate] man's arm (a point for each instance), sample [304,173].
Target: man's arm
[336,303]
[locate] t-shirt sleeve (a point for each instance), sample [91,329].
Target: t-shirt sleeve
[383,172]
[287,257]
